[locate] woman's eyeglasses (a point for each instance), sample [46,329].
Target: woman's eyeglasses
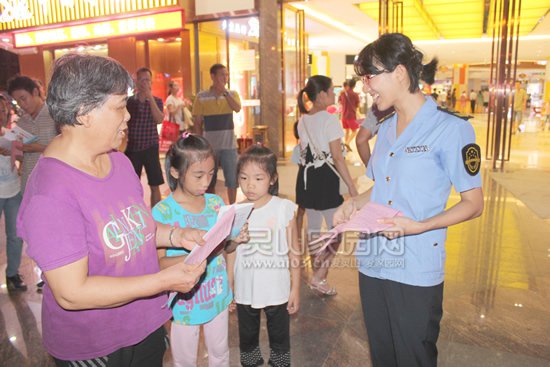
[369,76]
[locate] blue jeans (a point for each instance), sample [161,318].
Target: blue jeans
[14,244]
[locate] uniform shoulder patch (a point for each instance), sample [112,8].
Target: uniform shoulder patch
[454,113]
[471,157]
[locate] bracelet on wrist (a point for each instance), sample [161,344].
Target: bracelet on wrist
[170,236]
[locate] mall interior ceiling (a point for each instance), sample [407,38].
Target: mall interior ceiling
[456,31]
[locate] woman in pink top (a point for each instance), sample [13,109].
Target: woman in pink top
[349,100]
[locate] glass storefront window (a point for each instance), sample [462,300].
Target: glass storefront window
[165,61]
[234,42]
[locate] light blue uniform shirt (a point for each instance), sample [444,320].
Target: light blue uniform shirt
[414,174]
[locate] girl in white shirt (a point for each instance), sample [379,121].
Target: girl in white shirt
[321,166]
[262,280]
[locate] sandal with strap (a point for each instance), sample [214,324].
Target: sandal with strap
[323,288]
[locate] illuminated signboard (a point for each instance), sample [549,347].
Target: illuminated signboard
[19,14]
[250,29]
[111,28]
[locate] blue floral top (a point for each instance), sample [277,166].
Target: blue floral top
[211,295]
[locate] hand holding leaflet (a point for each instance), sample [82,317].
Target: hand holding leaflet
[212,238]
[364,221]
[242,212]
[17,133]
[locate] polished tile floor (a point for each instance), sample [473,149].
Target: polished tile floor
[496,290]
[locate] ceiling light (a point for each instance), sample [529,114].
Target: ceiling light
[160,39]
[326,19]
[5,39]
[178,39]
[80,49]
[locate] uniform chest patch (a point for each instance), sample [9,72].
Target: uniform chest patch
[471,156]
[417,149]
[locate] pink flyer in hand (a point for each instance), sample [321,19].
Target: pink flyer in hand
[212,238]
[364,221]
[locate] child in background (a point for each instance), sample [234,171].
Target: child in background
[262,280]
[190,168]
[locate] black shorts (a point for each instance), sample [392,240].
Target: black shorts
[322,191]
[148,158]
[147,353]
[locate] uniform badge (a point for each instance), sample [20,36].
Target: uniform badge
[471,156]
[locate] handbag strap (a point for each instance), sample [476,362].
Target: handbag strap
[310,141]
[321,156]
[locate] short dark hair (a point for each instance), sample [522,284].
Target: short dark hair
[315,85]
[185,151]
[352,83]
[214,68]
[82,83]
[266,159]
[144,70]
[22,82]
[391,50]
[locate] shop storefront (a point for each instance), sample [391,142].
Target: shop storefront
[177,42]
[235,41]
[138,33]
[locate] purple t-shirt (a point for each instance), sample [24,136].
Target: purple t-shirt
[67,215]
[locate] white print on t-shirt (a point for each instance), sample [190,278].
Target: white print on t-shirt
[202,297]
[127,231]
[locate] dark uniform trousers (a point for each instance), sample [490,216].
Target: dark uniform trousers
[402,321]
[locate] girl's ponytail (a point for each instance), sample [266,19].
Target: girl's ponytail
[301,102]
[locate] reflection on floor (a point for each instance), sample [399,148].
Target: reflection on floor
[496,290]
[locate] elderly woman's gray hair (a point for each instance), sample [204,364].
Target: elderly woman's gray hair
[81,83]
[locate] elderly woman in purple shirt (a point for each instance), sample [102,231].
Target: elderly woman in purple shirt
[90,231]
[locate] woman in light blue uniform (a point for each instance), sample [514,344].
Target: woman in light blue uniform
[421,151]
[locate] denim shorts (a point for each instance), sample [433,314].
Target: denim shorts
[227,159]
